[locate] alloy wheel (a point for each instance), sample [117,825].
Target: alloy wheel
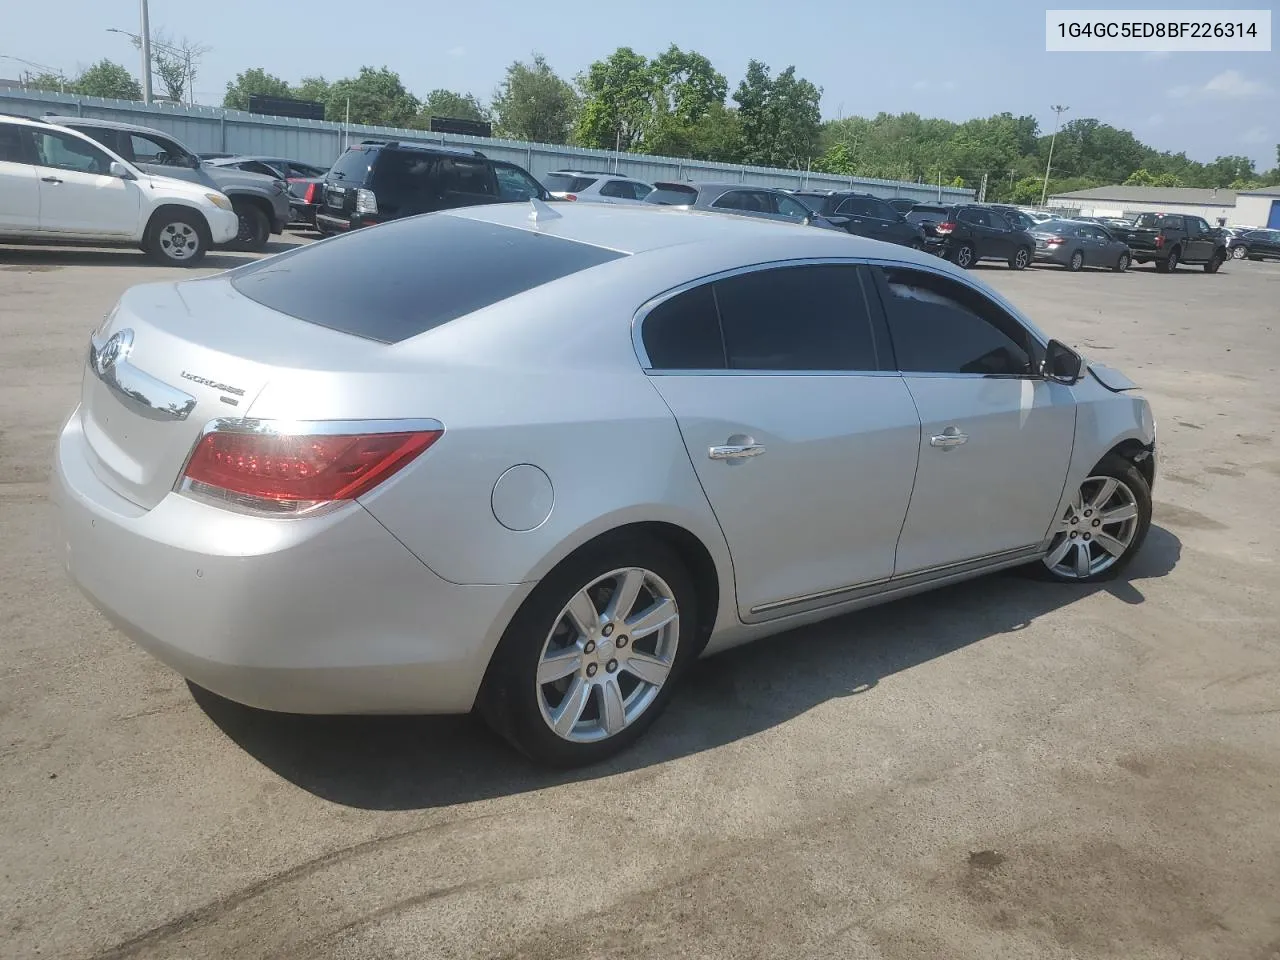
[179,240]
[964,256]
[1021,259]
[1095,531]
[608,655]
[1239,253]
[1077,260]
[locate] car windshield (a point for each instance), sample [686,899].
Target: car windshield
[567,182]
[672,195]
[409,276]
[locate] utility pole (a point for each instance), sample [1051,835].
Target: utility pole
[146,54]
[982,189]
[1058,112]
[939,183]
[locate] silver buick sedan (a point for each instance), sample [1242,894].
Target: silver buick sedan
[536,462]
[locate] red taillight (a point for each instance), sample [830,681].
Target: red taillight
[945,227]
[571,196]
[283,473]
[1159,241]
[1053,240]
[312,190]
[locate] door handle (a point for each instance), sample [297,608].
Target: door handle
[50,180]
[735,451]
[950,437]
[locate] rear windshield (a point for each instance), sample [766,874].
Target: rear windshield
[919,214]
[402,278]
[671,196]
[566,183]
[353,165]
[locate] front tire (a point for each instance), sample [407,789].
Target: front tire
[1021,259]
[177,238]
[255,228]
[1102,528]
[965,256]
[590,659]
[1122,264]
[1239,253]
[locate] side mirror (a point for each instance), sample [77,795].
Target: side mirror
[118,169]
[1061,364]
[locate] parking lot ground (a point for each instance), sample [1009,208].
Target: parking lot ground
[1003,769]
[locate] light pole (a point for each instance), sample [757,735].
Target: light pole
[62,79]
[1058,112]
[147,44]
[146,54]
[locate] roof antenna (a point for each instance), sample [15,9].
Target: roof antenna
[542,212]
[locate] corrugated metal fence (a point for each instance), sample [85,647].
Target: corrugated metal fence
[214,129]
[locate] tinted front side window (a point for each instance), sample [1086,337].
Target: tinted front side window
[147,149]
[466,176]
[567,183]
[941,326]
[408,276]
[672,196]
[796,318]
[353,166]
[514,184]
[859,207]
[683,333]
[791,208]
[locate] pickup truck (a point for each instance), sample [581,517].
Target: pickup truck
[1168,239]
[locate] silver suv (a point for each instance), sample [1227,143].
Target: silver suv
[593,187]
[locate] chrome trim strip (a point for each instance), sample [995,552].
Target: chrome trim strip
[905,579]
[141,392]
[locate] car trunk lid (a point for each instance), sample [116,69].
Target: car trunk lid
[171,359]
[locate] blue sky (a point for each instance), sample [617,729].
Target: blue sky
[946,59]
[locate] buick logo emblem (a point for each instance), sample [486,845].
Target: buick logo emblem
[113,351]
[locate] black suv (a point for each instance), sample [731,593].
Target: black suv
[968,232]
[376,181]
[863,215]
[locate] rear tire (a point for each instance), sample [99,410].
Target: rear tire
[518,703]
[1076,263]
[1171,264]
[177,238]
[1215,262]
[965,255]
[255,228]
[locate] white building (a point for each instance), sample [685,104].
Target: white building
[1252,208]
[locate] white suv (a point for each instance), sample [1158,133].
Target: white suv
[57,184]
[594,187]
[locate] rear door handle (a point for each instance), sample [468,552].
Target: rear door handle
[735,451]
[50,180]
[950,437]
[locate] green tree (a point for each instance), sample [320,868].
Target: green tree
[315,89]
[251,82]
[618,102]
[781,118]
[533,103]
[455,106]
[717,136]
[1226,170]
[377,97]
[107,79]
[687,87]
[53,82]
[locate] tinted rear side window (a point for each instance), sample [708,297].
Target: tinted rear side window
[402,278]
[683,333]
[353,166]
[796,318]
[672,196]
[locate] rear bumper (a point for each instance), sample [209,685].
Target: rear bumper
[1050,256]
[339,224]
[325,615]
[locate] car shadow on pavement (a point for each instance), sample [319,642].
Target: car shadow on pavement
[43,259]
[408,763]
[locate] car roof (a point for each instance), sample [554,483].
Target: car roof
[641,228]
[66,121]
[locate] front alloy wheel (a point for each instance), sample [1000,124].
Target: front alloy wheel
[1239,253]
[1102,527]
[964,256]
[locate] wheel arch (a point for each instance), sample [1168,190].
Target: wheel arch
[202,224]
[1138,453]
[253,200]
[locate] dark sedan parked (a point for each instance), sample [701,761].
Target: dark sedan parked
[968,232]
[864,215]
[1256,245]
[1075,245]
